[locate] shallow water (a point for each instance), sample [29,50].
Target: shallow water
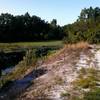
[7,70]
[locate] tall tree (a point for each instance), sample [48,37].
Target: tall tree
[54,22]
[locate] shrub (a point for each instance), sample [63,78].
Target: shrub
[30,58]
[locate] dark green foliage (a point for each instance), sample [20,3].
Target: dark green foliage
[27,28]
[33,28]
[86,28]
[10,59]
[42,51]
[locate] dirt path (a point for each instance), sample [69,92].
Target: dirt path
[55,76]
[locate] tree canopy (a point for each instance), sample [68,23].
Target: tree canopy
[32,28]
[86,28]
[28,28]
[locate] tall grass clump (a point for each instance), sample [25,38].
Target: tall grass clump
[30,58]
[79,45]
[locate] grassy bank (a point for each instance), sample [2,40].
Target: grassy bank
[8,47]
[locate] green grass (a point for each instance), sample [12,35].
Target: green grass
[8,47]
[49,43]
[87,78]
[93,94]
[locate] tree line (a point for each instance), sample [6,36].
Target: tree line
[86,28]
[28,28]
[32,28]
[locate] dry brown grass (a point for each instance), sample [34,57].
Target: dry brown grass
[80,45]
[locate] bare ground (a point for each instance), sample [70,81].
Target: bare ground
[61,70]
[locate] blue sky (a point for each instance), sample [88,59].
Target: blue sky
[65,11]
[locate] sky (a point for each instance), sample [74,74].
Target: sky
[65,11]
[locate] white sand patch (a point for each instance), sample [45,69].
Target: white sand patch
[97,58]
[86,62]
[83,62]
